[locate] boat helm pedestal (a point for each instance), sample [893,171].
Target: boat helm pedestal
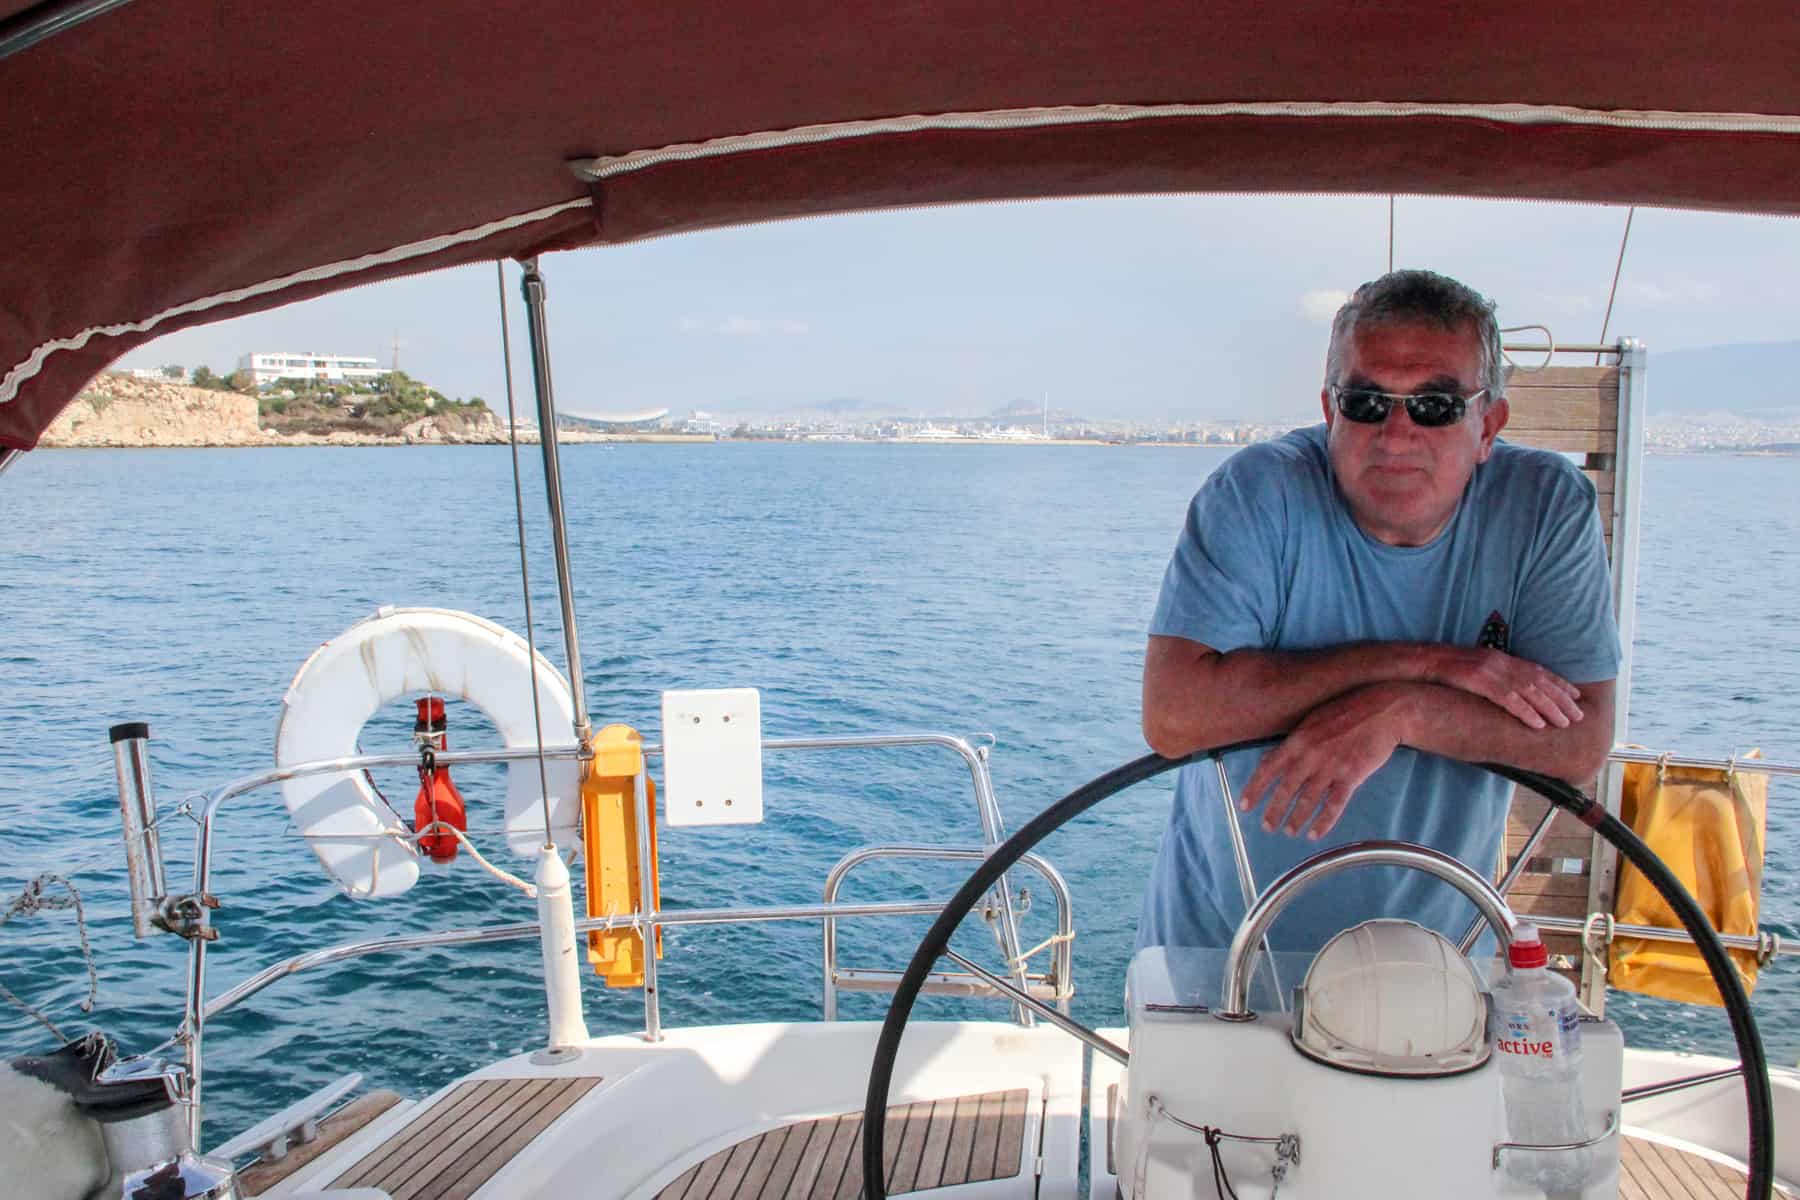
[1354,1134]
[1379,1085]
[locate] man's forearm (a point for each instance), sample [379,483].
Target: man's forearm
[1307,782]
[1455,724]
[1195,698]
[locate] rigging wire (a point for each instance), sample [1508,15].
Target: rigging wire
[1618,268]
[512,437]
[1390,233]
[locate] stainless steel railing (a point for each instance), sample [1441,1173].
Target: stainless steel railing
[483,934]
[1765,765]
[191,915]
[987,808]
[1056,986]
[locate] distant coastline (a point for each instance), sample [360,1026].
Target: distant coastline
[117,412]
[360,441]
[1774,450]
[121,412]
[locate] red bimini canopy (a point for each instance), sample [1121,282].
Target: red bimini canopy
[172,162]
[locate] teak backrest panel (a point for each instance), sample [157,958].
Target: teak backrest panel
[1575,410]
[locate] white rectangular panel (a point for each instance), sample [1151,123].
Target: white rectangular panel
[712,757]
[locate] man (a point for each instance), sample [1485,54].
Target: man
[1401,595]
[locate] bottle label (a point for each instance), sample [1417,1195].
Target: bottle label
[1527,1047]
[1546,1033]
[1569,1026]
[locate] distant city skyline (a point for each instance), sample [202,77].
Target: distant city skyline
[1163,309]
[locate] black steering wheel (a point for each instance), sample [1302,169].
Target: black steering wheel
[1752,1062]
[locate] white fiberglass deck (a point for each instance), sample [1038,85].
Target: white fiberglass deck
[979,1110]
[763,1112]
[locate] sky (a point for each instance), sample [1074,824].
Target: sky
[1152,309]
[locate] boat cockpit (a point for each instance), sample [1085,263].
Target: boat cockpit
[182,162]
[1366,1069]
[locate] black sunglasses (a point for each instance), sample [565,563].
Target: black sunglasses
[1429,410]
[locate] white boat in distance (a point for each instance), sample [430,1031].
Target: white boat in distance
[517,140]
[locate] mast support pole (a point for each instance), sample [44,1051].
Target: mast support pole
[532,284]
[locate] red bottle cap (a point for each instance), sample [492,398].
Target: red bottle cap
[1527,949]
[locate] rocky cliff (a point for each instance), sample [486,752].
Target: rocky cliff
[119,411]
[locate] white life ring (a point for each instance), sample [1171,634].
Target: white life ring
[401,652]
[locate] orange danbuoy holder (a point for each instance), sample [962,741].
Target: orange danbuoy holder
[438,801]
[610,852]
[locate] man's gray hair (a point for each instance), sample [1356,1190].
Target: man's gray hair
[1421,298]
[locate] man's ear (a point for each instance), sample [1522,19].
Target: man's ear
[1493,420]
[1326,407]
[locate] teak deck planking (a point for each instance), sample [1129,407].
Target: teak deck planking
[264,1174]
[1653,1171]
[451,1149]
[929,1144]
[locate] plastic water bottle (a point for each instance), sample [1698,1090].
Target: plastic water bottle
[1536,1027]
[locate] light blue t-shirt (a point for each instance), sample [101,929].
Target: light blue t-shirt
[1271,558]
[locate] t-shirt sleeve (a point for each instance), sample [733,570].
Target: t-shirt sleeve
[1221,587]
[1565,614]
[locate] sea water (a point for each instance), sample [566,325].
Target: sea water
[863,588]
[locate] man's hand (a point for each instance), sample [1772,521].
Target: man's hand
[1308,780]
[1310,777]
[1531,693]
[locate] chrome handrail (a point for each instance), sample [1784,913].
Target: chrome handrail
[1765,946]
[482,934]
[993,827]
[201,903]
[1582,348]
[1765,766]
[1235,994]
[1061,959]
[1612,1127]
[1663,1087]
[937,983]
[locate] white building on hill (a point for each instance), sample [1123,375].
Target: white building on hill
[269,366]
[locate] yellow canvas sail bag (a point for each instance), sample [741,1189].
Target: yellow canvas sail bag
[1708,825]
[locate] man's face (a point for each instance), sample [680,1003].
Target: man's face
[1403,481]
